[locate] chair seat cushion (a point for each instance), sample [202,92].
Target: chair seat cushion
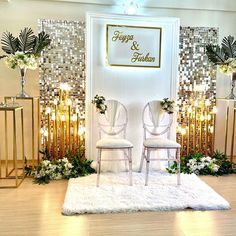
[161,143]
[113,143]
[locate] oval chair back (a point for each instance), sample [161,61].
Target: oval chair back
[115,119]
[155,120]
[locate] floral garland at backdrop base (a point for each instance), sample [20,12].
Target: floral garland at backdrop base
[71,166]
[199,164]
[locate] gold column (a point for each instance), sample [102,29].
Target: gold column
[9,174]
[34,101]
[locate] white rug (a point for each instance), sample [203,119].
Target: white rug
[162,194]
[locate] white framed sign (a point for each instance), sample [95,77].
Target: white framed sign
[136,46]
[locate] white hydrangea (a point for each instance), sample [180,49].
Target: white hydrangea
[195,166]
[21,60]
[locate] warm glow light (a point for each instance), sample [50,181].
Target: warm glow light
[74,117]
[45,133]
[81,130]
[202,118]
[208,103]
[48,110]
[199,88]
[63,118]
[69,102]
[65,87]
[55,102]
[211,129]
[214,110]
[77,110]
[190,110]
[209,117]
[53,116]
[195,103]
[179,129]
[183,131]
[41,130]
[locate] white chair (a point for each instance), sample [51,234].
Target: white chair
[113,124]
[157,123]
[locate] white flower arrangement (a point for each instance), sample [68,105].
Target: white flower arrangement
[52,170]
[228,67]
[200,164]
[21,60]
[205,162]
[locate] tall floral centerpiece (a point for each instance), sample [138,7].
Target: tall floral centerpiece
[225,57]
[22,52]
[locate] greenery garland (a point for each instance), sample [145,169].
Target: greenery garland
[71,166]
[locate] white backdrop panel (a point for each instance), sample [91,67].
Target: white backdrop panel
[132,86]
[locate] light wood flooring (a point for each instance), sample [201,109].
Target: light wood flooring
[36,210]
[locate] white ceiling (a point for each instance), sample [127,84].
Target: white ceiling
[221,5]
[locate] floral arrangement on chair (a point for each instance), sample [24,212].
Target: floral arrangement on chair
[168,105]
[99,102]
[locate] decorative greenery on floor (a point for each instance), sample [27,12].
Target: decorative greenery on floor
[71,166]
[204,165]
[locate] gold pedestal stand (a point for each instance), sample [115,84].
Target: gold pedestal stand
[229,109]
[34,103]
[9,169]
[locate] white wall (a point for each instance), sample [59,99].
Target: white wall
[16,14]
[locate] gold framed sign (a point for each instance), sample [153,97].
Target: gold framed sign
[136,46]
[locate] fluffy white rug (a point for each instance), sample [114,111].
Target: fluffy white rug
[162,194]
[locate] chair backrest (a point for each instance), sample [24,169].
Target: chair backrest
[115,119]
[155,120]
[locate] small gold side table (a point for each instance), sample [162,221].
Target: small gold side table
[12,171]
[34,101]
[228,101]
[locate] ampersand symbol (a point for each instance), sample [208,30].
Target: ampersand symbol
[135,46]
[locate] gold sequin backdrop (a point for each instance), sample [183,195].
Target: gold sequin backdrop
[64,61]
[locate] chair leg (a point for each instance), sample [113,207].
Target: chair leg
[142,158]
[98,165]
[126,156]
[130,166]
[147,167]
[168,155]
[178,166]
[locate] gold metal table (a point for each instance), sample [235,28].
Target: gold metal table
[229,109]
[35,138]
[10,176]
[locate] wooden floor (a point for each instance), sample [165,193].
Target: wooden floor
[36,210]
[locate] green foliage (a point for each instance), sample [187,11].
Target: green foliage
[10,44]
[26,42]
[71,166]
[220,54]
[99,102]
[199,164]
[168,105]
